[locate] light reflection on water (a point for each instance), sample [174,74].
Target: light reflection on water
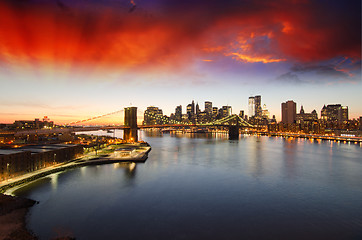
[207,187]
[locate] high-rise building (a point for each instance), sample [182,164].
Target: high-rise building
[178,113]
[152,116]
[226,111]
[289,112]
[214,111]
[302,116]
[208,107]
[241,114]
[343,114]
[198,111]
[191,109]
[334,112]
[265,112]
[251,106]
[360,123]
[257,106]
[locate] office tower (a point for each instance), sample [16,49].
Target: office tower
[257,106]
[360,123]
[251,106]
[265,112]
[302,116]
[226,111]
[214,111]
[208,107]
[152,116]
[191,109]
[178,113]
[343,114]
[197,109]
[334,112]
[289,112]
[241,114]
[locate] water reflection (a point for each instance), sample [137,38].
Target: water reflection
[256,161]
[202,187]
[129,169]
[289,156]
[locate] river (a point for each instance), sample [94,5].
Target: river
[208,187]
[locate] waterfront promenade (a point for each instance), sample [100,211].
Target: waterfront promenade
[345,139]
[102,156]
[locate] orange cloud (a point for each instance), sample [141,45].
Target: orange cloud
[98,39]
[251,59]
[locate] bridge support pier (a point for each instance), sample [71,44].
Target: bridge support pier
[233,132]
[130,121]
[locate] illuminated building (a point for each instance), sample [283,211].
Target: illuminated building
[208,107]
[226,111]
[152,116]
[191,110]
[306,117]
[343,114]
[178,113]
[214,111]
[36,124]
[241,114]
[198,111]
[334,112]
[251,105]
[265,112]
[257,106]
[289,112]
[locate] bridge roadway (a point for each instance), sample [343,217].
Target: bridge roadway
[20,133]
[44,131]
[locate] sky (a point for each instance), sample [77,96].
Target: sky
[72,60]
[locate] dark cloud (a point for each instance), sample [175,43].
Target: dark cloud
[289,77]
[165,33]
[325,71]
[340,71]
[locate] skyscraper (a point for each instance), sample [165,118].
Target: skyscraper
[343,114]
[257,106]
[198,109]
[251,106]
[289,112]
[178,113]
[226,111]
[334,112]
[241,114]
[208,107]
[152,116]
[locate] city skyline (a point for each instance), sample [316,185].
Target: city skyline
[75,60]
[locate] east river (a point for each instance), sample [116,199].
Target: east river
[207,187]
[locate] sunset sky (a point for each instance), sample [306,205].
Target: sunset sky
[71,60]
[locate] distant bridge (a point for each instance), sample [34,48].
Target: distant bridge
[130,127]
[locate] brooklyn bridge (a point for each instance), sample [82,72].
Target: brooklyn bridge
[130,127]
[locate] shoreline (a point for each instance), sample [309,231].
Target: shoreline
[13,213]
[14,209]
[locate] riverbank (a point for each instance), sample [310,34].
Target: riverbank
[13,212]
[13,209]
[103,157]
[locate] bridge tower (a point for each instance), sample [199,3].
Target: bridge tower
[130,120]
[234,130]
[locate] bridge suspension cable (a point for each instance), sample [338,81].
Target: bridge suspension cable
[94,118]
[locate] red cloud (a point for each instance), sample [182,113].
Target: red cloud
[270,31]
